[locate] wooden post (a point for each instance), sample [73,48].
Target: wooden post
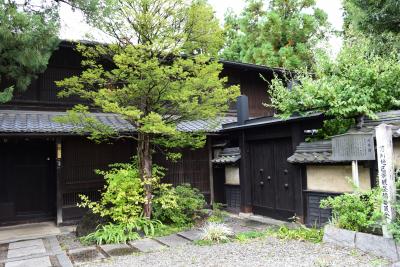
[386,175]
[210,167]
[354,171]
[246,204]
[58,177]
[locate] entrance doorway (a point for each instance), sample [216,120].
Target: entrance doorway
[272,178]
[27,180]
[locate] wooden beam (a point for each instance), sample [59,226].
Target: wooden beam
[58,177]
[210,169]
[246,204]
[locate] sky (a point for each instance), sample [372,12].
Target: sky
[74,27]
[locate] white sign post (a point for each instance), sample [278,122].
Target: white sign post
[384,144]
[354,171]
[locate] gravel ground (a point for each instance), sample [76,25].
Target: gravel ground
[264,252]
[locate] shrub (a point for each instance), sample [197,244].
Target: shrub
[216,232]
[395,225]
[357,211]
[181,205]
[123,197]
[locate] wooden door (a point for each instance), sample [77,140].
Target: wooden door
[29,180]
[272,178]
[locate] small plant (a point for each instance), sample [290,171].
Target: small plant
[111,234]
[245,236]
[356,211]
[218,214]
[216,232]
[121,233]
[300,233]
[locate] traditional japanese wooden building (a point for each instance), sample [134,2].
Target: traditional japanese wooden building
[45,166]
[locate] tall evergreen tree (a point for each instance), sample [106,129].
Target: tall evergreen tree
[377,20]
[284,34]
[28,36]
[163,75]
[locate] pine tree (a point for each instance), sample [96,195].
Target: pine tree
[27,39]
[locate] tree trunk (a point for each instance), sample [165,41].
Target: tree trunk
[145,168]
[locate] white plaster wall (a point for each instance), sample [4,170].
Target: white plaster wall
[232,175]
[335,178]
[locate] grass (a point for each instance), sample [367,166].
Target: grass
[301,233]
[246,236]
[164,230]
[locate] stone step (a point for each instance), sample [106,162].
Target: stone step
[146,245]
[117,249]
[85,254]
[34,262]
[192,235]
[173,240]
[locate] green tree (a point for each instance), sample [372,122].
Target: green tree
[162,74]
[283,35]
[378,20]
[27,39]
[358,83]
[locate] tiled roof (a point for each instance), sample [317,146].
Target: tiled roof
[321,151]
[41,122]
[314,152]
[228,155]
[214,125]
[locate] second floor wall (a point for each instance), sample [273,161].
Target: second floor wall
[66,62]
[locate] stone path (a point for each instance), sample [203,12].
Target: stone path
[41,252]
[89,254]
[47,252]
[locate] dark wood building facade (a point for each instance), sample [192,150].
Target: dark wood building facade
[45,166]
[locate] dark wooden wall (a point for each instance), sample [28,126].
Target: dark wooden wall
[66,62]
[253,86]
[192,168]
[80,157]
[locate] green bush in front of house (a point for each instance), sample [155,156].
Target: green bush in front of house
[359,211]
[122,202]
[181,205]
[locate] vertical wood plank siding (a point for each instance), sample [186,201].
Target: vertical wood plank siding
[192,168]
[80,158]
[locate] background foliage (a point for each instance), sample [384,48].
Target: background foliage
[281,34]
[27,39]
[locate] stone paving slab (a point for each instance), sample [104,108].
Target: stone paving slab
[254,225]
[172,240]
[27,243]
[26,251]
[237,229]
[377,245]
[34,262]
[192,235]
[146,245]
[339,237]
[85,254]
[117,249]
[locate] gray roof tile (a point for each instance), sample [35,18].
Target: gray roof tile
[228,155]
[27,121]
